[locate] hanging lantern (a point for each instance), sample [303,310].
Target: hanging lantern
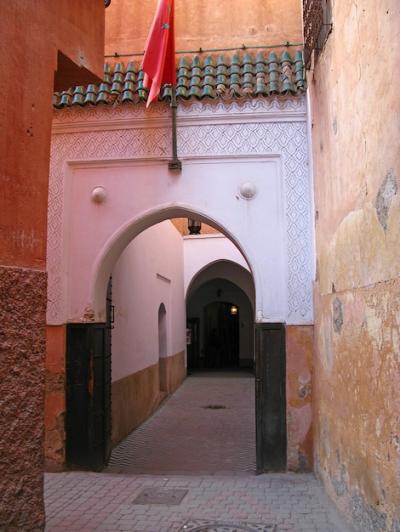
[194,226]
[233,310]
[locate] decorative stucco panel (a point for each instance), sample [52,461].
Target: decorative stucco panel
[246,128]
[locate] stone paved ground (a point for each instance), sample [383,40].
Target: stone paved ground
[185,437]
[104,502]
[209,453]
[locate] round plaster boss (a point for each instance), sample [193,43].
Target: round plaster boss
[248,190]
[99,195]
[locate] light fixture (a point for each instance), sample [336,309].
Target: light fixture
[233,310]
[194,226]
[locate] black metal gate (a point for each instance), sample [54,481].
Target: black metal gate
[270,397]
[88,397]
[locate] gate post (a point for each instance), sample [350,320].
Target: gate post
[88,396]
[270,358]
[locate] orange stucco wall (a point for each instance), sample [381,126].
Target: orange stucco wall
[32,34]
[35,31]
[356,153]
[206,23]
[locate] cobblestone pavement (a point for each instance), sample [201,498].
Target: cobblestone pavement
[185,436]
[105,502]
[208,452]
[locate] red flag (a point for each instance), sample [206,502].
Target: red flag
[159,56]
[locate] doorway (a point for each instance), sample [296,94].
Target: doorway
[221,335]
[221,314]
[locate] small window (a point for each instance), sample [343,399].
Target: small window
[317,20]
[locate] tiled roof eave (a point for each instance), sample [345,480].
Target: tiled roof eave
[224,78]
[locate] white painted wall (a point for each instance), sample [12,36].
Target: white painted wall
[207,293]
[222,146]
[199,251]
[149,272]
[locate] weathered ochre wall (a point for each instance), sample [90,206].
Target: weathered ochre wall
[206,23]
[32,33]
[54,412]
[299,360]
[356,155]
[137,396]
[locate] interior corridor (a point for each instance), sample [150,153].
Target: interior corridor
[207,427]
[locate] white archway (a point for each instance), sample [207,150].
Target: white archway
[113,248]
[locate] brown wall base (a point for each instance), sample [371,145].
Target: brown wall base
[175,370]
[137,396]
[23,295]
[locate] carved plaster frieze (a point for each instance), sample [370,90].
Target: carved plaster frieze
[136,116]
[287,139]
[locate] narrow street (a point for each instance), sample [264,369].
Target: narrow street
[197,467]
[206,428]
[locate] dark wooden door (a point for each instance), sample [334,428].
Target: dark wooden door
[193,349]
[221,335]
[270,397]
[88,398]
[107,372]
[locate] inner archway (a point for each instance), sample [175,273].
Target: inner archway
[231,283]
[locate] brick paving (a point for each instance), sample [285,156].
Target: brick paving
[186,437]
[104,502]
[213,452]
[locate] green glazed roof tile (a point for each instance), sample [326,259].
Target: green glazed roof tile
[261,88]
[194,91]
[260,57]
[195,81]
[242,74]
[209,80]
[131,67]
[221,60]
[183,62]
[183,72]
[208,91]
[166,92]
[182,92]
[196,61]
[222,69]
[285,57]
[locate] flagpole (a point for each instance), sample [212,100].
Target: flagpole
[175,164]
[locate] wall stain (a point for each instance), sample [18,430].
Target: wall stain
[384,198]
[337,315]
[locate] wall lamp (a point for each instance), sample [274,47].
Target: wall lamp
[194,226]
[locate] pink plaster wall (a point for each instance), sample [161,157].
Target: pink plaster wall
[149,272]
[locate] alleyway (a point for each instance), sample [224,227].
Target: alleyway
[206,428]
[204,458]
